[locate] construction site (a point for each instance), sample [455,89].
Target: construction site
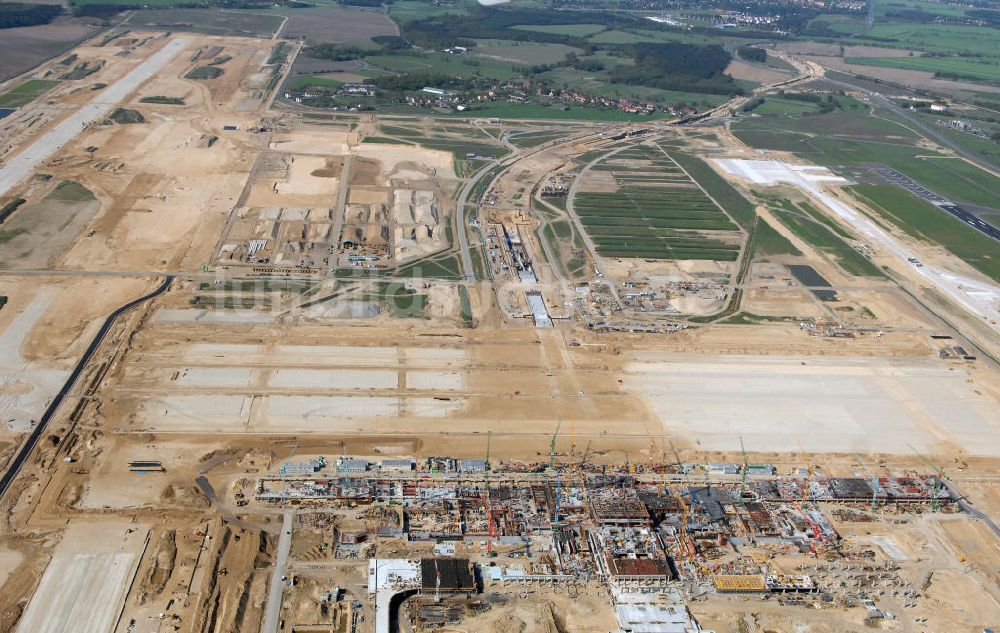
[267,368]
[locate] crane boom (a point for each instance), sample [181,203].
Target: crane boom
[746,467]
[938,479]
[488,504]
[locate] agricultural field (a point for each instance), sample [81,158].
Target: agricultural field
[642,204]
[572,30]
[306,81]
[932,38]
[445,64]
[25,93]
[210,21]
[524,53]
[973,69]
[24,48]
[409,10]
[335,24]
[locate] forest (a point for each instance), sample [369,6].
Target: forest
[14,14]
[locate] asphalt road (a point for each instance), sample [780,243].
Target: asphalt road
[272,611]
[971,510]
[926,129]
[29,444]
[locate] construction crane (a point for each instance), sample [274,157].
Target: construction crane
[682,532]
[874,481]
[938,479]
[801,507]
[746,468]
[288,461]
[488,503]
[653,449]
[552,466]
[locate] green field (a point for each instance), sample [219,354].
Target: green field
[767,241]
[774,106]
[445,64]
[409,10]
[975,68]
[924,221]
[738,207]
[211,21]
[841,124]
[934,38]
[525,53]
[315,81]
[160,99]
[25,93]
[533,139]
[776,141]
[205,72]
[572,30]
[657,212]
[445,266]
[810,226]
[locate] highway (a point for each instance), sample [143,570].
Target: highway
[23,163]
[926,129]
[272,612]
[29,444]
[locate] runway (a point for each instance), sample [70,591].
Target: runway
[978,297]
[24,163]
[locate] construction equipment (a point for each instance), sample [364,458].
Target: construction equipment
[488,504]
[876,486]
[682,535]
[552,467]
[938,479]
[746,468]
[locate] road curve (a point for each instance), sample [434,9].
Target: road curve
[29,444]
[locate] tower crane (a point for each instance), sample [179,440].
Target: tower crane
[683,535]
[938,479]
[488,504]
[552,466]
[743,479]
[876,486]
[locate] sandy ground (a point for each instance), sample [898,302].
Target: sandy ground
[95,560]
[824,405]
[738,69]
[43,330]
